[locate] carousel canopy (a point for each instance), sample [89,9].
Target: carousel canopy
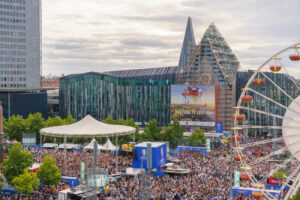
[108,146]
[88,127]
[91,145]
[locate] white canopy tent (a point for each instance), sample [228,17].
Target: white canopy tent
[87,127]
[90,146]
[108,146]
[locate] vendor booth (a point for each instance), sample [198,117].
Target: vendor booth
[188,148]
[253,191]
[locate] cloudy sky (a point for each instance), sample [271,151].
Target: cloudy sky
[101,35]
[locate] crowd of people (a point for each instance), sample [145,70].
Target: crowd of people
[209,178]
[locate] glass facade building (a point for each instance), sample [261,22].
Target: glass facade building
[144,94]
[260,103]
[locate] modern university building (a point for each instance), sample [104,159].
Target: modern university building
[199,91]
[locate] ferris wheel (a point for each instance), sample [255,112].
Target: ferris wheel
[266,139]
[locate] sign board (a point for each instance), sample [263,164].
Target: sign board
[29,139]
[237,175]
[219,127]
[208,144]
[82,171]
[193,105]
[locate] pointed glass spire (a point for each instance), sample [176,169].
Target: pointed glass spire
[189,39]
[224,61]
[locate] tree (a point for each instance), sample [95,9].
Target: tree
[14,127]
[151,132]
[197,138]
[49,173]
[54,121]
[296,196]
[173,134]
[1,184]
[127,138]
[34,123]
[16,161]
[69,120]
[109,120]
[26,182]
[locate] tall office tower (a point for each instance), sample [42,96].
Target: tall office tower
[20,43]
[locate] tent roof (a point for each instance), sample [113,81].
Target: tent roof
[91,145]
[109,146]
[88,127]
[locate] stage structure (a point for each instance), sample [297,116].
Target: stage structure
[158,153]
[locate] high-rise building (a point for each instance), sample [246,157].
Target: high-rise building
[20,43]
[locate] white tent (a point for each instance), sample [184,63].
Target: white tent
[108,146]
[88,127]
[70,146]
[90,146]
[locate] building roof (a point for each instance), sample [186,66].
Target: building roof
[148,73]
[155,73]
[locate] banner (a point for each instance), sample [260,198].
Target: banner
[208,144]
[237,175]
[82,171]
[219,127]
[193,105]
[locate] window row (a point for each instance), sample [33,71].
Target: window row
[12,14]
[12,33]
[9,20]
[12,79]
[12,7]
[13,1]
[6,59]
[12,40]
[13,53]
[12,66]
[8,46]
[17,27]
[12,85]
[13,72]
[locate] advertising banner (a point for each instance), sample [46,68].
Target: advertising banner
[82,171]
[219,127]
[208,144]
[193,105]
[237,175]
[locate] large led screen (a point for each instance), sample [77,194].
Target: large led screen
[193,105]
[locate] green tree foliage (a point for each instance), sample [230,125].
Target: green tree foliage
[16,161]
[196,139]
[173,134]
[1,182]
[280,174]
[49,172]
[54,121]
[151,132]
[109,120]
[69,120]
[26,182]
[128,138]
[34,123]
[14,127]
[296,196]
